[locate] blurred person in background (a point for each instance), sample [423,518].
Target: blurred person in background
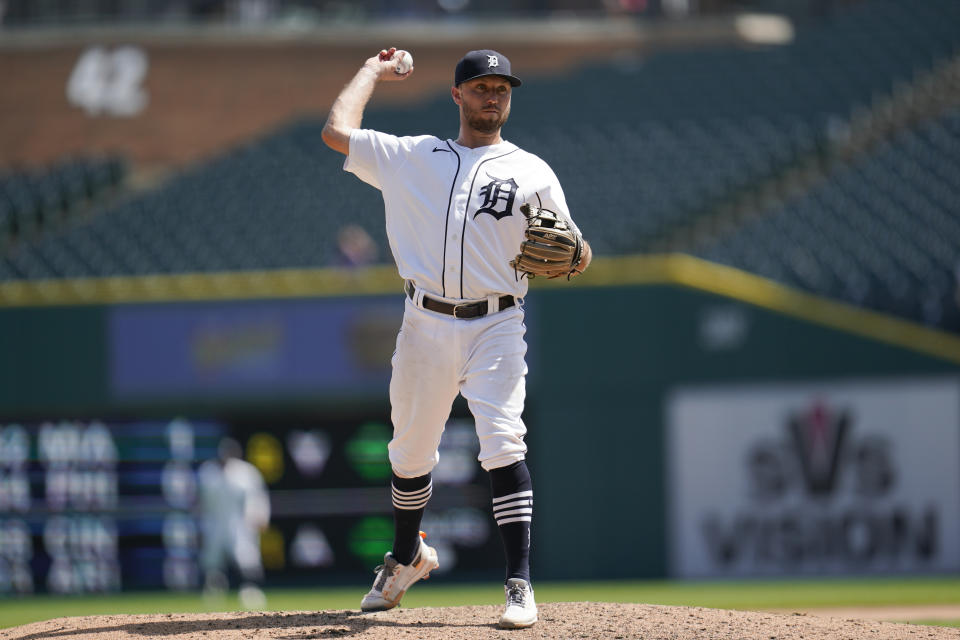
[235,508]
[355,247]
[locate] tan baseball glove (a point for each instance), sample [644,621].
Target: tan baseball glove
[551,248]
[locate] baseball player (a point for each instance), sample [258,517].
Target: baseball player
[457,213]
[235,507]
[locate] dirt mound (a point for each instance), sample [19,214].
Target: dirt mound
[557,620]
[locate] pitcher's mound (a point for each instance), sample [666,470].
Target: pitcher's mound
[562,620]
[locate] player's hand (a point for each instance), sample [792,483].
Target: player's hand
[385,65]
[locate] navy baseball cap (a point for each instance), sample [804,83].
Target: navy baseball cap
[484,62]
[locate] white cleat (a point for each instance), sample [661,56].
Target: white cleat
[521,608]
[393,579]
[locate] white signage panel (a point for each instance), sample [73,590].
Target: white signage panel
[807,479]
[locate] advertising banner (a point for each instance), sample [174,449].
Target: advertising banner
[252,348]
[833,478]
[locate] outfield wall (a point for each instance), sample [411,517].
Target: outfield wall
[685,420]
[623,358]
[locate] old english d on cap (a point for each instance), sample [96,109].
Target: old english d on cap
[484,62]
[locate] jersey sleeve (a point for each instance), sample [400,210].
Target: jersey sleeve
[373,155]
[552,198]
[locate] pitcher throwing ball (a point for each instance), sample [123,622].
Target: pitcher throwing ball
[469,221]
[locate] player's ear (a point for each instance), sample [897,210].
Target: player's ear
[455,94]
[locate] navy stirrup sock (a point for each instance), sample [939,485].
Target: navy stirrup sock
[410,497]
[513,510]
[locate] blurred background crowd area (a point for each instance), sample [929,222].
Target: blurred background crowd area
[31,13]
[814,143]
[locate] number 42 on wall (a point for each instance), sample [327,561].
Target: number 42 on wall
[105,82]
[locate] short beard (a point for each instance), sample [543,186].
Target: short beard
[481,122]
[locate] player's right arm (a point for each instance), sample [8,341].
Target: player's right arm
[346,113]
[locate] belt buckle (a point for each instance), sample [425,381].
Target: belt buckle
[459,306]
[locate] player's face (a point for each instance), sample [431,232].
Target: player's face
[484,103]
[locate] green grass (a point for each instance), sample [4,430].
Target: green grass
[746,594]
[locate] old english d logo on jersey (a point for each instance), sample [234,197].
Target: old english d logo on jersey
[498,198]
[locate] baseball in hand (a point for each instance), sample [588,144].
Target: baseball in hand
[404,62]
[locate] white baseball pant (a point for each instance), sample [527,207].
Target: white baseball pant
[232,542]
[438,356]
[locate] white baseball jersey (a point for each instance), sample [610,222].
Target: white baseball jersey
[453,213]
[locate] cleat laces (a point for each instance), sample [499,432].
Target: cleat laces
[517,595]
[383,572]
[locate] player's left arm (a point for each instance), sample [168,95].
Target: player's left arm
[553,198]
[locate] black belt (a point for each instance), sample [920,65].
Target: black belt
[463,310]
